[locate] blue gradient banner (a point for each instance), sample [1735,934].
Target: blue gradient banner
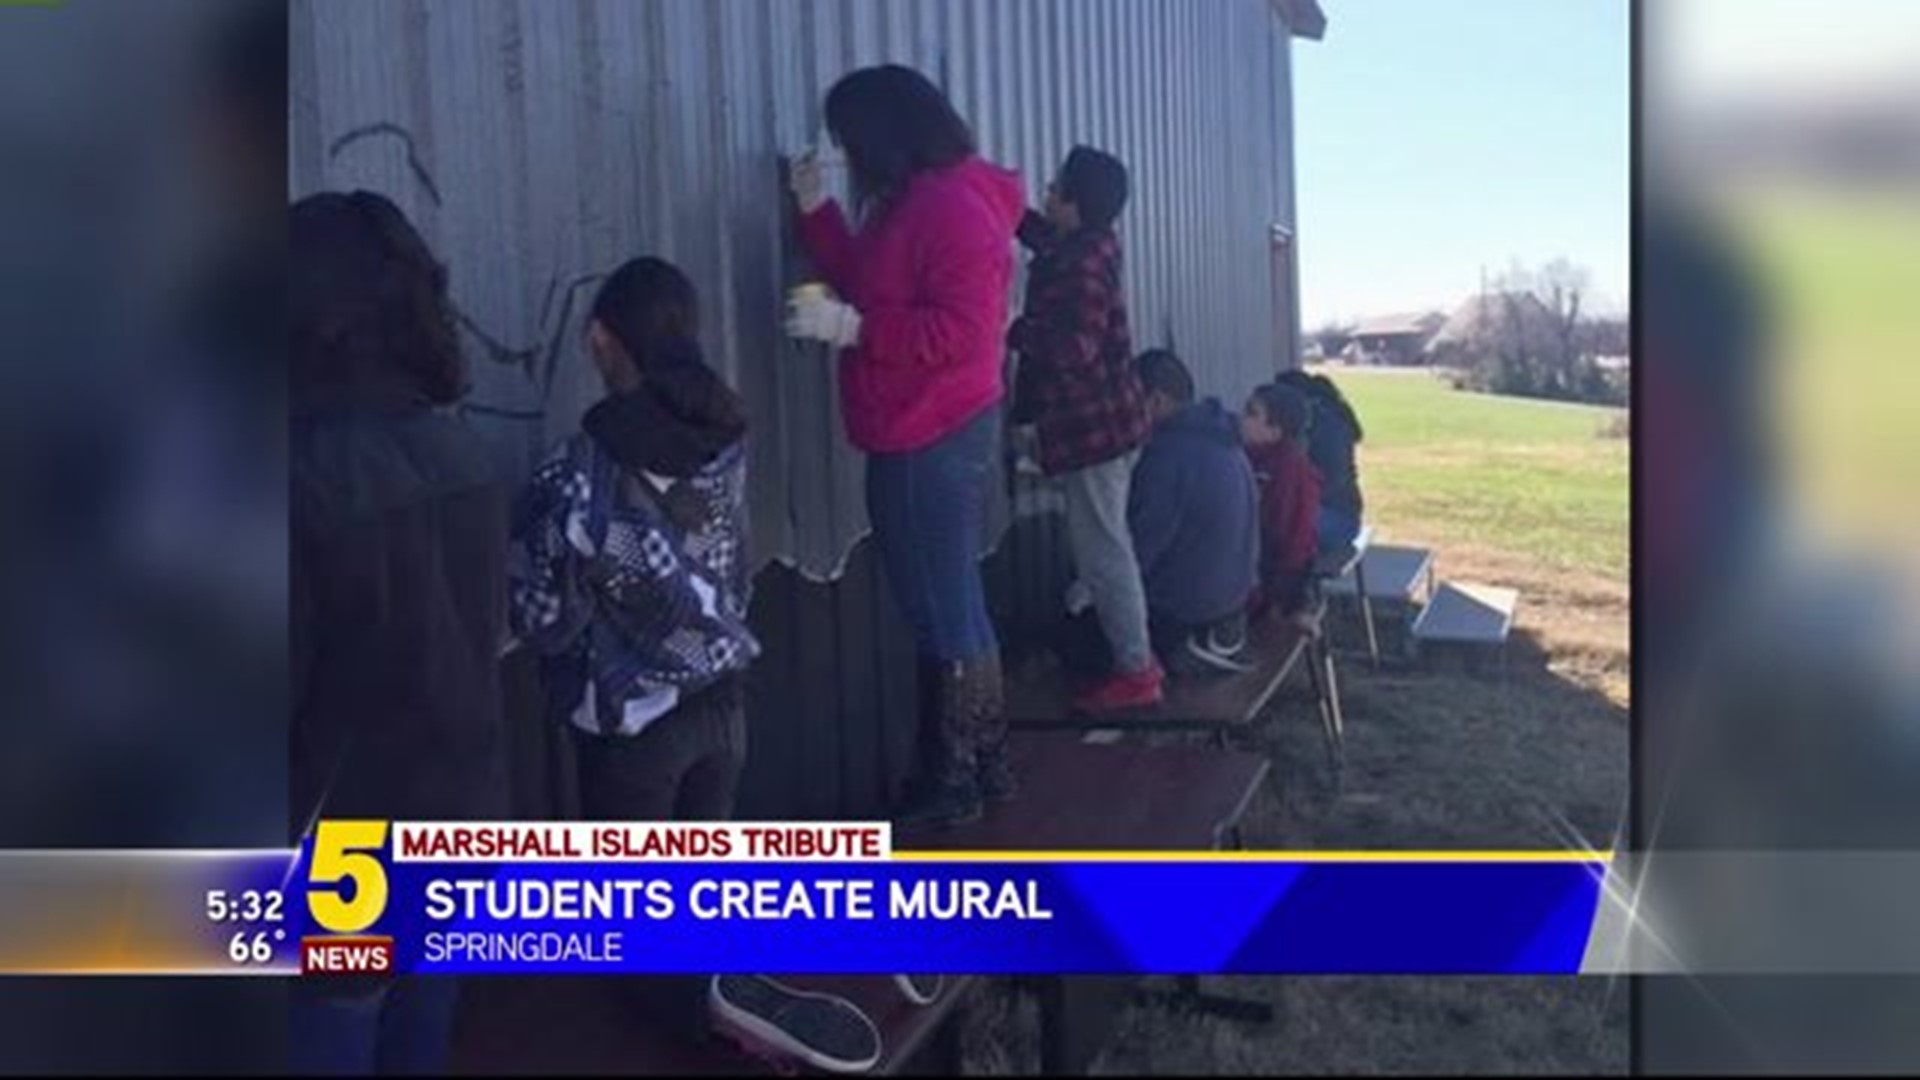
[1080,914]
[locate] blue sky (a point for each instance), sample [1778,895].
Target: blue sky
[1437,138]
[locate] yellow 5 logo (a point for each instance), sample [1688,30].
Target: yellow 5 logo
[347,850]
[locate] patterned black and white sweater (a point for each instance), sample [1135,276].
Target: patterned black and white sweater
[633,585]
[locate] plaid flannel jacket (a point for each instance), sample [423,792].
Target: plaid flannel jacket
[1076,382]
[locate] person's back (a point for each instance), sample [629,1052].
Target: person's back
[1193,511]
[396,578]
[398,548]
[633,577]
[397,535]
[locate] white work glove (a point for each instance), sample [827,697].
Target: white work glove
[822,318]
[808,179]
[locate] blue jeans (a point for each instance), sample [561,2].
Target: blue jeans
[405,1027]
[1338,528]
[928,509]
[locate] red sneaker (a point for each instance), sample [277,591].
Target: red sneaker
[1126,690]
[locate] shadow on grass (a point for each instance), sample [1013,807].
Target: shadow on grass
[1460,749]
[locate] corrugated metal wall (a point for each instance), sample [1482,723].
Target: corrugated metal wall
[539,143]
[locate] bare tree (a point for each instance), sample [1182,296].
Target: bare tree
[1529,336]
[1561,286]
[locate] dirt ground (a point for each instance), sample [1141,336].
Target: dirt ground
[1448,751]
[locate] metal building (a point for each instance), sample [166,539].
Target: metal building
[540,143]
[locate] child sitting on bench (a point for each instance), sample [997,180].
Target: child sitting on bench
[1276,428]
[1194,514]
[1333,432]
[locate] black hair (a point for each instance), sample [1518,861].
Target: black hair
[1161,370]
[1286,409]
[653,311]
[893,123]
[1323,391]
[368,306]
[1095,182]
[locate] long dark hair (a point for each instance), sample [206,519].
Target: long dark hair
[367,305]
[653,311]
[893,123]
[1325,391]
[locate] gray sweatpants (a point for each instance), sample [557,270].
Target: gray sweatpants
[1102,548]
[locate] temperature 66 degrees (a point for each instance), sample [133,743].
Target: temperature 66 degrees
[247,906]
[255,947]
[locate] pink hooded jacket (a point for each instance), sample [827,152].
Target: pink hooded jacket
[930,278]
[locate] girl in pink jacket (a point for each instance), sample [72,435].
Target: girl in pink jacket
[919,319]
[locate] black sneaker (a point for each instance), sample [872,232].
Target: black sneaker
[940,805]
[996,778]
[921,989]
[775,1021]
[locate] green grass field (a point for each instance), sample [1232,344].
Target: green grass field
[1535,479]
[1840,275]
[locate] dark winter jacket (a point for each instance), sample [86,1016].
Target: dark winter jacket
[397,590]
[1330,444]
[1195,516]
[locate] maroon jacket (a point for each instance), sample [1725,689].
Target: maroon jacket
[1076,382]
[1289,523]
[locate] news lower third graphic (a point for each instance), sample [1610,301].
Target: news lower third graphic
[378,898]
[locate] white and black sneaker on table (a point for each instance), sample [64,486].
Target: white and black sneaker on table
[921,989]
[776,1021]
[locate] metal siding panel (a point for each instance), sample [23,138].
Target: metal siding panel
[1052,112]
[306,156]
[475,65]
[753,238]
[563,208]
[1215,114]
[1129,149]
[861,20]
[1193,239]
[1105,85]
[1157,182]
[564,137]
[1235,229]
[1003,35]
[1084,80]
[1285,176]
[957,61]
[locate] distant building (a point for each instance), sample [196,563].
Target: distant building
[1396,339]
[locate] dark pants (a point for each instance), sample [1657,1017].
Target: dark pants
[685,766]
[928,509]
[404,1027]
